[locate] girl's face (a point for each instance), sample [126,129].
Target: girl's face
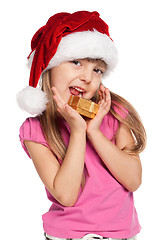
[80,77]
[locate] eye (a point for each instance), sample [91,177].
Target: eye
[97,70]
[76,62]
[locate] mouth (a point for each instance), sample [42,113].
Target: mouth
[77,91]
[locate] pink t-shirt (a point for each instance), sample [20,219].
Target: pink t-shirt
[104,206]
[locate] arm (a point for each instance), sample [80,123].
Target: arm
[124,167]
[64,181]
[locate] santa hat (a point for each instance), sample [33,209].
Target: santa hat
[65,37]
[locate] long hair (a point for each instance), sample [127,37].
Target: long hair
[51,130]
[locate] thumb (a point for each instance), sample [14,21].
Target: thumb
[69,109]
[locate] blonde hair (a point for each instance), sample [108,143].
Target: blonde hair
[51,130]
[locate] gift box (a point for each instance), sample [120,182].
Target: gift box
[84,107]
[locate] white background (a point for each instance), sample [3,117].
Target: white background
[134,29]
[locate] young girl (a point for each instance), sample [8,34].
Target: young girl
[90,167]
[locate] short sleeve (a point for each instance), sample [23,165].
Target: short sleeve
[31,130]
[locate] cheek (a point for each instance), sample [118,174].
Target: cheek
[57,79]
[61,76]
[94,89]
[96,85]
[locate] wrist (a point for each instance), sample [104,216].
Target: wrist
[80,132]
[93,133]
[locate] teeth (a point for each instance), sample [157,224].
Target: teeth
[78,89]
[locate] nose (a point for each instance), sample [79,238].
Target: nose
[86,75]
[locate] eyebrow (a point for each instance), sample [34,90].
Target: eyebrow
[100,62]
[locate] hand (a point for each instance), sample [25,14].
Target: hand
[74,119]
[104,107]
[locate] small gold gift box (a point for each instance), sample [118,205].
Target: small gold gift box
[83,106]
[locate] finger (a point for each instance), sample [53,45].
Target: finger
[100,94]
[57,97]
[56,93]
[58,102]
[104,96]
[102,102]
[108,96]
[102,88]
[59,111]
[100,91]
[108,100]
[102,105]
[69,109]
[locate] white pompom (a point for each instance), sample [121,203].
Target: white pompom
[32,100]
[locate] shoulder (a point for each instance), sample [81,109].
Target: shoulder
[109,125]
[123,135]
[30,127]
[119,114]
[31,130]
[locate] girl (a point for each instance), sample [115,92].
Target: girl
[90,167]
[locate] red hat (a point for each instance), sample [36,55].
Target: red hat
[65,37]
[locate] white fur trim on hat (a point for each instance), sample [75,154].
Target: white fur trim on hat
[87,44]
[32,100]
[92,44]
